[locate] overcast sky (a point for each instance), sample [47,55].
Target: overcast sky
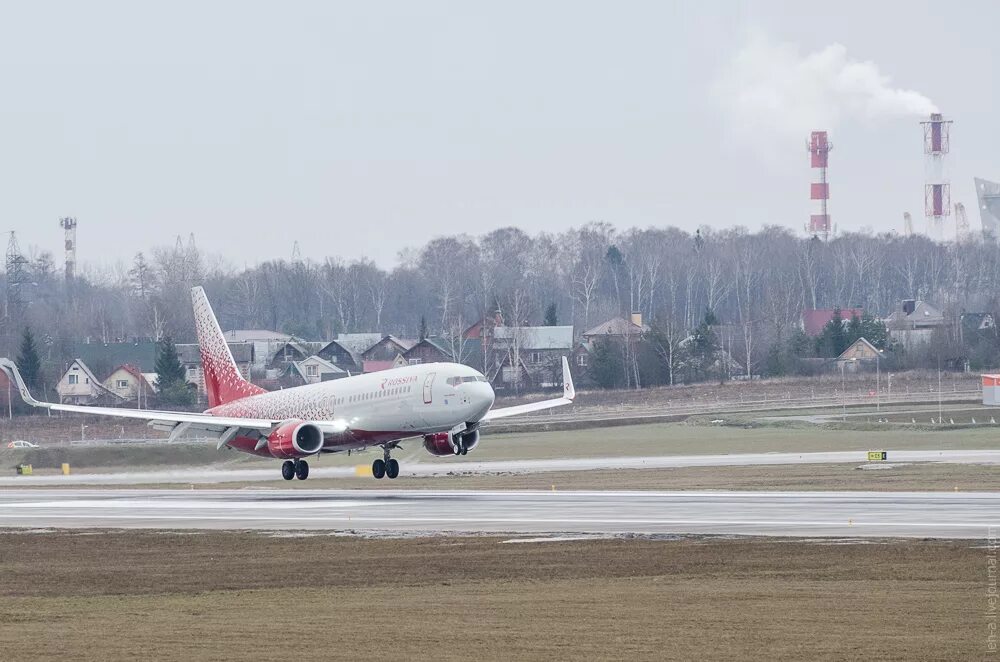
[363,128]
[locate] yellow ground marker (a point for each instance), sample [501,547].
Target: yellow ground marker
[363,470]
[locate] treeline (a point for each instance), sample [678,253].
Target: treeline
[754,284]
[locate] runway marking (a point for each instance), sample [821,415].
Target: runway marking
[510,520]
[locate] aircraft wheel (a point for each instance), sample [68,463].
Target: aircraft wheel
[302,470]
[378,468]
[288,470]
[391,469]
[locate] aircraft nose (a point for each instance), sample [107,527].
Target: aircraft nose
[481,396]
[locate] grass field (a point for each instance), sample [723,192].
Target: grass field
[238,596]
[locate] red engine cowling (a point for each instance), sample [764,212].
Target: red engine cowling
[295,439]
[440,444]
[443,443]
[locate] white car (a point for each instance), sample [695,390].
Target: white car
[21,444]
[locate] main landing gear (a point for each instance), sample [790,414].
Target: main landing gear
[387,467]
[294,469]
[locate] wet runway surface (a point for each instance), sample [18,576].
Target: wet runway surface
[465,466]
[405,512]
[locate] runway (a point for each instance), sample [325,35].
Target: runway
[401,512]
[464,466]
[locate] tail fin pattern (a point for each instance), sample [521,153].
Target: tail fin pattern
[223,381]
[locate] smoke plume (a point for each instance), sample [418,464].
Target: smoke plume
[772,89]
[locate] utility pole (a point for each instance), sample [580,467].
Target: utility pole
[878,384]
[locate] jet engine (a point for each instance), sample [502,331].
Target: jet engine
[445,443]
[294,439]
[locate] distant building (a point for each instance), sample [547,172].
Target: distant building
[102,358]
[814,319]
[129,383]
[989,208]
[386,353]
[315,369]
[79,386]
[859,354]
[616,328]
[529,356]
[913,323]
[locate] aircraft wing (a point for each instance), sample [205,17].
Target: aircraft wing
[569,392]
[174,422]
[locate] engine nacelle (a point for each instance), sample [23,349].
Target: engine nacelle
[470,439]
[294,439]
[440,443]
[444,443]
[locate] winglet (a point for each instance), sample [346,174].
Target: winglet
[569,392]
[10,369]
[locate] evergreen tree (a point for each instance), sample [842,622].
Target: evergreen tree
[28,362]
[874,331]
[854,330]
[703,346]
[606,366]
[169,369]
[423,328]
[171,378]
[832,341]
[551,315]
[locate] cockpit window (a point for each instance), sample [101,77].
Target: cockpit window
[455,381]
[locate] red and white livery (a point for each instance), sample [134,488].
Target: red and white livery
[441,405]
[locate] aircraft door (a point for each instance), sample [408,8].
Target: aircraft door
[428,383]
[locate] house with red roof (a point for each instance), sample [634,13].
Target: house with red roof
[813,320]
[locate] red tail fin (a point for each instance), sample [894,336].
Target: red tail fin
[223,381]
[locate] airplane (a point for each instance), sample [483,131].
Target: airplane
[444,405]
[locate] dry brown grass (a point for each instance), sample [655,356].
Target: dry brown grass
[146,595]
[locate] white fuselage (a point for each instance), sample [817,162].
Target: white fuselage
[406,401]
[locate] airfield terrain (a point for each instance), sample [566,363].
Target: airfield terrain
[643,541]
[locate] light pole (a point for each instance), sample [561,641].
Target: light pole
[878,383]
[843,393]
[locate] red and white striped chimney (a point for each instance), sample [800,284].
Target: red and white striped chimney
[819,191]
[937,189]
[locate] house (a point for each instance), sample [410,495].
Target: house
[436,349]
[616,328]
[814,319]
[291,351]
[859,354]
[315,369]
[529,355]
[386,353]
[129,383]
[103,357]
[345,351]
[429,350]
[79,386]
[914,322]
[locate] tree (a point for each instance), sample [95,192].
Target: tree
[28,362]
[171,377]
[423,328]
[551,315]
[703,346]
[832,341]
[606,366]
